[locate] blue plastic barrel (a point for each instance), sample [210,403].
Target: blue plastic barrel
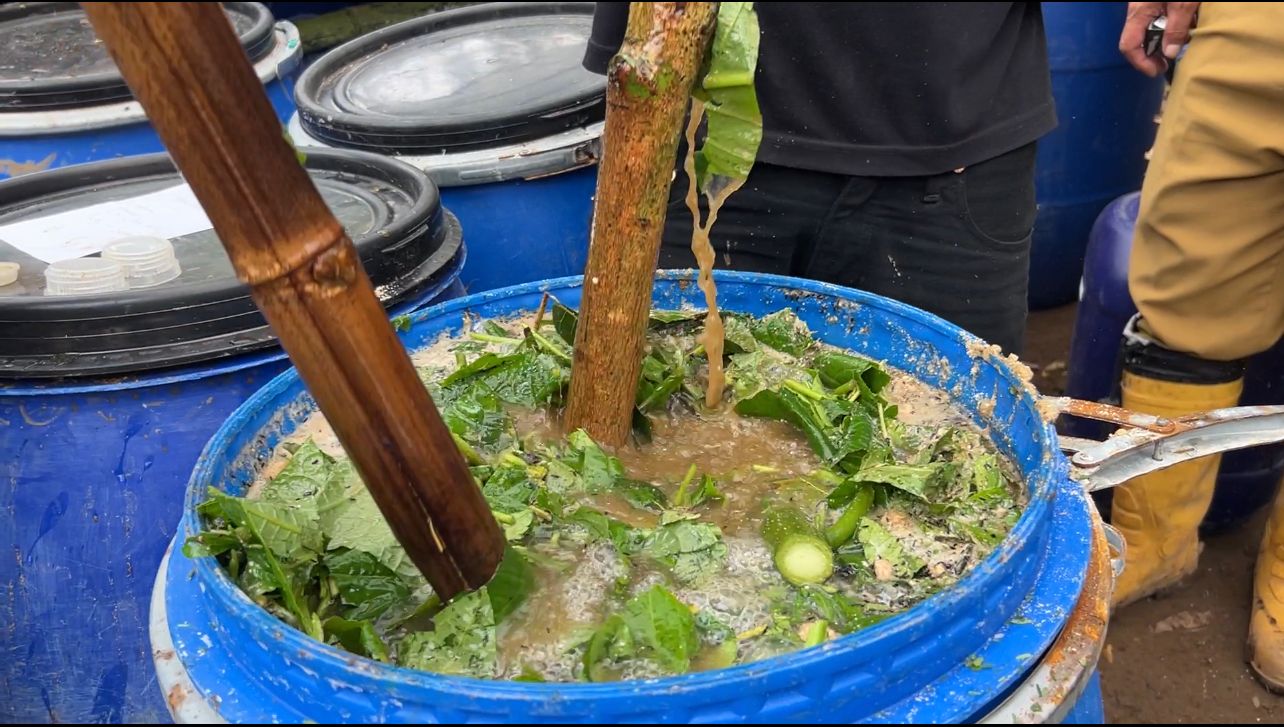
[490,100]
[1247,478]
[218,653]
[106,401]
[1105,124]
[63,102]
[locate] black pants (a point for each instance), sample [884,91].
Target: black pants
[954,244]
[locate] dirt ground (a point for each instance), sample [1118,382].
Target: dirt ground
[1177,658]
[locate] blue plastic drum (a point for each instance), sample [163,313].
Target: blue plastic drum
[1033,613]
[63,102]
[492,102]
[1105,124]
[107,399]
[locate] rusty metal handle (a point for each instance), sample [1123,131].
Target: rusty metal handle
[1148,444]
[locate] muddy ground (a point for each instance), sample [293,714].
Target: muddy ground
[1179,658]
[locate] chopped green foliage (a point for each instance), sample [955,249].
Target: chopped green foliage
[884,500]
[655,626]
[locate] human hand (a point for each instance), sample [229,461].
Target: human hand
[1180,18]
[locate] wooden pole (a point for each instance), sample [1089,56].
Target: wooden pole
[648,86]
[186,66]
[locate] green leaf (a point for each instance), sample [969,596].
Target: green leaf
[527,378]
[843,614]
[627,540]
[511,585]
[557,348]
[288,532]
[210,543]
[530,675]
[882,545]
[359,637]
[705,491]
[342,488]
[987,480]
[478,416]
[783,331]
[303,478]
[843,494]
[598,469]
[367,585]
[839,369]
[689,549]
[492,328]
[258,576]
[853,437]
[711,630]
[401,324]
[790,407]
[720,647]
[461,643]
[521,524]
[912,479]
[264,573]
[738,337]
[654,625]
[356,523]
[727,89]
[875,379]
[642,495]
[561,479]
[668,317]
[655,396]
[481,364]
[564,322]
[509,489]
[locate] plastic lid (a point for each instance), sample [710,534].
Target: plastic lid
[146,261]
[84,276]
[391,210]
[51,58]
[490,75]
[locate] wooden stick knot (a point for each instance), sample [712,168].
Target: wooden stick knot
[336,267]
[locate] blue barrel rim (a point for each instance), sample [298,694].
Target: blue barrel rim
[1051,490]
[216,367]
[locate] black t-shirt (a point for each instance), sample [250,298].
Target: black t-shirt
[888,89]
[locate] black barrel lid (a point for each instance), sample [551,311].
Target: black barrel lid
[391,210]
[490,75]
[51,58]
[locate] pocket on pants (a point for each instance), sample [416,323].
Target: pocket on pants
[998,197]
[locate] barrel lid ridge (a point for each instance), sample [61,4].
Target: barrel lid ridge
[406,240]
[485,76]
[50,56]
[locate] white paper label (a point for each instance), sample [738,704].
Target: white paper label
[168,213]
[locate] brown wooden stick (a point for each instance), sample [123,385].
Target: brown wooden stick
[186,66]
[648,86]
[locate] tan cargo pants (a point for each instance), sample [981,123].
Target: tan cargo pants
[1207,268]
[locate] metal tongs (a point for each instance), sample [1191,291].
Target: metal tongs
[1146,444]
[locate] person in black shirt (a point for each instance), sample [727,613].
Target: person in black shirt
[897,156]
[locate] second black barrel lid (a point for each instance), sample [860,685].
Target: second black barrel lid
[484,76]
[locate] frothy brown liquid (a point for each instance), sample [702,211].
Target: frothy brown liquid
[712,339]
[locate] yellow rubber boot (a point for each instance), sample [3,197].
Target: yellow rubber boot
[1159,513]
[1266,630]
